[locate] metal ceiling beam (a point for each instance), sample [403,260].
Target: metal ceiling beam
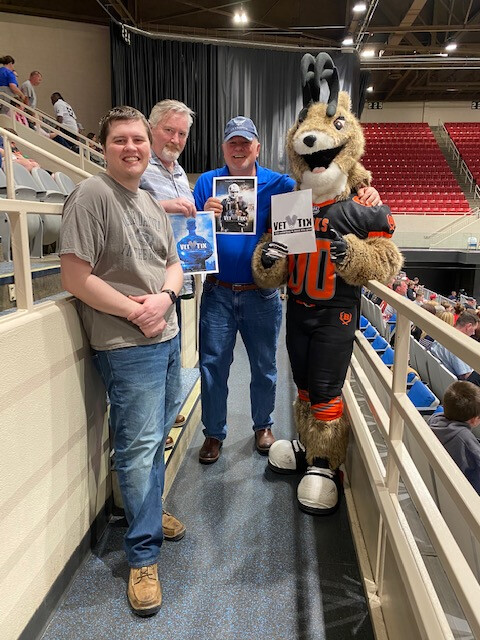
[408,19]
[428,28]
[196,11]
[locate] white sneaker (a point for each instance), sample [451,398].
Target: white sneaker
[287,456]
[318,492]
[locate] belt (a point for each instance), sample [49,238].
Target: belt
[232,285]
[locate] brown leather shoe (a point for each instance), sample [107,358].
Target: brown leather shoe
[169,443]
[144,590]
[210,451]
[179,420]
[264,439]
[173,529]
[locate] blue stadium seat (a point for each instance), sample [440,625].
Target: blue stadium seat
[387,356]
[379,344]
[422,398]
[370,333]
[363,323]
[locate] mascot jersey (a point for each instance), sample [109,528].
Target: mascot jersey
[313,279]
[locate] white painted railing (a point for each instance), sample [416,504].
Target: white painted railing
[410,448]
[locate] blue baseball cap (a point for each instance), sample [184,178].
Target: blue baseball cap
[240,126]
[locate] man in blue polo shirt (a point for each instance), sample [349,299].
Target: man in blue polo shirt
[231,302]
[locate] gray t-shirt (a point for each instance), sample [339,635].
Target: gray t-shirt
[127,238]
[29,91]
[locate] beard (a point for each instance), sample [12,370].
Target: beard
[170,153]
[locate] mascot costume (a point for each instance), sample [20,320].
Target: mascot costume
[324,147]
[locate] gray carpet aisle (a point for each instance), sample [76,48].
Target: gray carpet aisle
[251,566]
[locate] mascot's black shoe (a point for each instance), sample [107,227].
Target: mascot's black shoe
[320,489]
[287,456]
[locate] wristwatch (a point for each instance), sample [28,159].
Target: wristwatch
[172,294]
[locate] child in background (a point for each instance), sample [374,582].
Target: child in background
[453,427]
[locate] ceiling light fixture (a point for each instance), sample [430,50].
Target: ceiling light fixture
[451,46]
[370,89]
[347,40]
[368,53]
[240,17]
[360,7]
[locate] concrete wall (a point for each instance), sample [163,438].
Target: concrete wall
[73,57]
[54,444]
[430,112]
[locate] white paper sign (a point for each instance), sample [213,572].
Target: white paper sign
[292,221]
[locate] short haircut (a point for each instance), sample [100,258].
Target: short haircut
[35,73]
[461,401]
[466,318]
[121,113]
[163,108]
[397,283]
[7,60]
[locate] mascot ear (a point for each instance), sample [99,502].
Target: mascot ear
[344,101]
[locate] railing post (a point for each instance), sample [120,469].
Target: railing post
[21,259]
[399,387]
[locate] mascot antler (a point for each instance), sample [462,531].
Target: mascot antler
[313,71]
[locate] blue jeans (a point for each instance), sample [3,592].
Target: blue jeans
[142,384]
[257,315]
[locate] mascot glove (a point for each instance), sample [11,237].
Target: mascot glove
[271,252]
[338,247]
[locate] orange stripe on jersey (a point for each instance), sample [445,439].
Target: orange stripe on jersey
[357,199]
[303,395]
[379,234]
[323,204]
[327,411]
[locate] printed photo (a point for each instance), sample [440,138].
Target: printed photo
[239,203]
[196,242]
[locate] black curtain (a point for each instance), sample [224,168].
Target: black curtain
[218,83]
[149,70]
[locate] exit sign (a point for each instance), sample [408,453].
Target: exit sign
[375,105]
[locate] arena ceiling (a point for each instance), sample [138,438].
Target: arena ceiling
[407,37]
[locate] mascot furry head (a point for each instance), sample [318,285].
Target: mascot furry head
[353,246]
[326,143]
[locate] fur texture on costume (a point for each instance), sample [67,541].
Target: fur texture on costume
[373,258]
[325,439]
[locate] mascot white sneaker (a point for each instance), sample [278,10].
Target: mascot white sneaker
[352,246]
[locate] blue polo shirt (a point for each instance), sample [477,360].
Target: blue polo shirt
[7,77]
[235,251]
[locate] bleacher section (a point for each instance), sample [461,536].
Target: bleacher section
[466,137]
[410,171]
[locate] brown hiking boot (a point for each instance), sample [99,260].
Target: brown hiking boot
[173,529]
[144,590]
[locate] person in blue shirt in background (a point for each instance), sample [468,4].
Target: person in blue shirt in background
[231,302]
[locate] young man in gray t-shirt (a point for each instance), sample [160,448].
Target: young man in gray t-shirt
[118,257]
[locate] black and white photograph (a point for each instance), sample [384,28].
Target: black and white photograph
[238,195]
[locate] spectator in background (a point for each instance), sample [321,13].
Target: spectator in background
[419,299]
[420,335]
[447,317]
[65,116]
[400,286]
[457,310]
[470,303]
[17,155]
[411,290]
[453,427]
[467,323]
[28,88]
[453,296]
[9,82]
